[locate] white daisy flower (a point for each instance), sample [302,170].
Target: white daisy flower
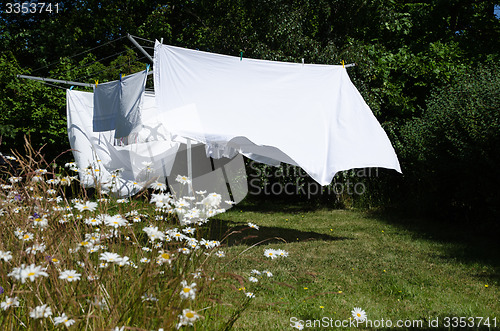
[157,186]
[86,206]
[64,320]
[358,314]
[115,221]
[281,252]
[212,200]
[298,325]
[53,181]
[250,294]
[253,226]
[42,311]
[36,248]
[70,275]
[183,179]
[93,221]
[220,254]
[253,279]
[184,250]
[71,165]
[9,302]
[188,292]
[123,261]
[14,180]
[66,181]
[32,271]
[92,277]
[271,253]
[6,256]
[37,178]
[188,317]
[153,233]
[26,236]
[109,257]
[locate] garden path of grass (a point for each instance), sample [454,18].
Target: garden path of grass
[392,267]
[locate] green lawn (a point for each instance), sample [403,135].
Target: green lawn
[394,268]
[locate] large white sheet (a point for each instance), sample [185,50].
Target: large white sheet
[307,115]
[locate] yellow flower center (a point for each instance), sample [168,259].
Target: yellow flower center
[165,256]
[84,243]
[186,289]
[359,315]
[70,276]
[55,260]
[31,274]
[26,236]
[189,314]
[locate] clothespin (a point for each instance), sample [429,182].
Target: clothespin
[161,41]
[241,56]
[302,61]
[147,67]
[71,87]
[120,77]
[343,66]
[96,82]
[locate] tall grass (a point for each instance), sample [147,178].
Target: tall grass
[82,259]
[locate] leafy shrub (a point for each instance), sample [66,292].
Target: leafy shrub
[451,154]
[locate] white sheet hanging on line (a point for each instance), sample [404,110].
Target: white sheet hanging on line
[150,156]
[117,104]
[307,115]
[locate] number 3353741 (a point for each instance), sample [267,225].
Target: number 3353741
[31,7]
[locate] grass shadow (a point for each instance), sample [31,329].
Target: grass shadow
[242,234]
[471,243]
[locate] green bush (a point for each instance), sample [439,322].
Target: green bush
[450,154]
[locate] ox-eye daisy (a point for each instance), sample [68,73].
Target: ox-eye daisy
[70,275]
[358,314]
[188,292]
[64,320]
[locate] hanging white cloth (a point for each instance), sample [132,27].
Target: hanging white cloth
[119,168]
[307,115]
[117,104]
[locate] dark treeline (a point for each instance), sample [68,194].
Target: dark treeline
[428,69]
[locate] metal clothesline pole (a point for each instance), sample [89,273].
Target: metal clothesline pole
[67,82]
[136,44]
[51,80]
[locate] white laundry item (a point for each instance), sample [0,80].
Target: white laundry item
[149,157]
[117,104]
[307,115]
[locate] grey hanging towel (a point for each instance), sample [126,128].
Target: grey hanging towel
[117,104]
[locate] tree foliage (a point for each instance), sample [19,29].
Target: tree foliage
[451,152]
[404,50]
